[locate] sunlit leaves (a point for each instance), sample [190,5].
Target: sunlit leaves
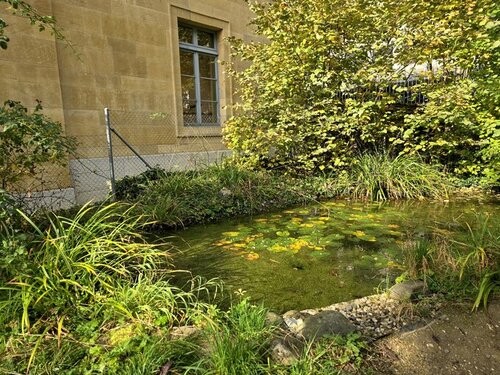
[332,79]
[24,9]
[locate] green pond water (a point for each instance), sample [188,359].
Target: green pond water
[321,254]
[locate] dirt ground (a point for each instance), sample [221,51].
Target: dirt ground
[457,342]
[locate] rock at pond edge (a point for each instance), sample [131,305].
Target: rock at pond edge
[273,319]
[286,350]
[326,323]
[406,290]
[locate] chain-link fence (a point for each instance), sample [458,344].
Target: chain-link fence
[139,140]
[49,187]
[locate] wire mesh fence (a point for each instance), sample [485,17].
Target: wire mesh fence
[49,187]
[139,140]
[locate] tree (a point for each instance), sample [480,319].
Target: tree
[331,81]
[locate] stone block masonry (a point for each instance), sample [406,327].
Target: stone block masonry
[126,57]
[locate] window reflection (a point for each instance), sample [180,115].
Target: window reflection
[185,34]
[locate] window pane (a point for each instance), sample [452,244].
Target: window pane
[185,34]
[208,89]
[207,66]
[209,112]
[189,111]
[188,88]
[206,39]
[187,65]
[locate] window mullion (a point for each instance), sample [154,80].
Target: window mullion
[216,75]
[197,87]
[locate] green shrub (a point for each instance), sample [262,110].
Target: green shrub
[322,86]
[184,198]
[131,187]
[27,140]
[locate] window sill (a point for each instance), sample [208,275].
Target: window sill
[199,130]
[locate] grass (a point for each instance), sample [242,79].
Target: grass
[328,356]
[219,191]
[79,260]
[86,293]
[92,296]
[90,291]
[237,343]
[381,177]
[176,199]
[465,268]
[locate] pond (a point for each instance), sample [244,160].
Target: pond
[320,254]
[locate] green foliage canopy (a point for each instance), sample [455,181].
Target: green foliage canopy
[329,83]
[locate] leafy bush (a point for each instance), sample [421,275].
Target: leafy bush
[184,198]
[131,187]
[326,84]
[27,140]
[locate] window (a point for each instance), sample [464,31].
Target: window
[198,58]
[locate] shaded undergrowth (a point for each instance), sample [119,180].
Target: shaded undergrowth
[216,192]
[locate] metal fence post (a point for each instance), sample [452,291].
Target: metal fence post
[110,153]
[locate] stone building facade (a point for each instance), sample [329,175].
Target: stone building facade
[162,58]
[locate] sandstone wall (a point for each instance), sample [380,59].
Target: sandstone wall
[127,59]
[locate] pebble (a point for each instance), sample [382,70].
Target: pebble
[374,316]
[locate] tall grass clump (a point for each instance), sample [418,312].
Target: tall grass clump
[79,260]
[238,342]
[88,292]
[381,177]
[467,266]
